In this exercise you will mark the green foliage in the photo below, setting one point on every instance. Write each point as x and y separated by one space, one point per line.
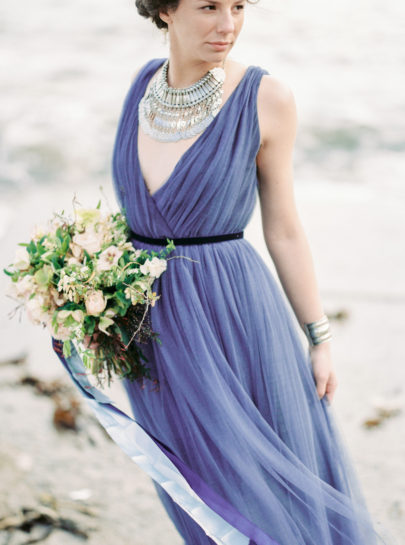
54 320
31 248
57 262
11 273
122 302
65 243
90 324
87 260
67 349
44 275
69 321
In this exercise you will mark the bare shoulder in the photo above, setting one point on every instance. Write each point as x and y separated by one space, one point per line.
276 109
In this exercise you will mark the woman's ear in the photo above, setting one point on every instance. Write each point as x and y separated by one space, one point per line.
165 17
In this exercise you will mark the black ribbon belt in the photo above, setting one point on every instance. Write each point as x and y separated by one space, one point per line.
186 240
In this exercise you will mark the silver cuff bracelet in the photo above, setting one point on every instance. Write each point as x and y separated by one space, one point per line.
318 332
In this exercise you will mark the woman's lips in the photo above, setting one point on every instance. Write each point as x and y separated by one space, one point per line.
219 46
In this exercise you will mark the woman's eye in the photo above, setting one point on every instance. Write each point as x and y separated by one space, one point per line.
239 7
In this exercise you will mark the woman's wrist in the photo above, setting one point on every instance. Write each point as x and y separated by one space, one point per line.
317 332
321 347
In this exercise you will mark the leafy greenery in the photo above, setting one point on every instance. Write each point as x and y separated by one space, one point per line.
84 279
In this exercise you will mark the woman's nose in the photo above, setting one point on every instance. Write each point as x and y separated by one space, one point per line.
225 23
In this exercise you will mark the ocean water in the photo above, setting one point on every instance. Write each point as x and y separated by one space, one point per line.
66 66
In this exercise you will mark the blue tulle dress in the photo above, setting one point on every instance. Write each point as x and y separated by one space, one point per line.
239 446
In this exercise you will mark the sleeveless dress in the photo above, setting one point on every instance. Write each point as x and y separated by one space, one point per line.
239 446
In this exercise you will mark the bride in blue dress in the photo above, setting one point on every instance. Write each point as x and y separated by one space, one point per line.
239 436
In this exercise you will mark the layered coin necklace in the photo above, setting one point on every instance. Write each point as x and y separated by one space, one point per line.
169 114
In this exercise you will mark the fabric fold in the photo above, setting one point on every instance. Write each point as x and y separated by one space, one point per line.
219 520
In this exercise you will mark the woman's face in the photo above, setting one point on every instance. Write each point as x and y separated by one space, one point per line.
196 24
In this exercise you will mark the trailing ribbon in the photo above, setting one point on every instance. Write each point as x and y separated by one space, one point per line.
219 519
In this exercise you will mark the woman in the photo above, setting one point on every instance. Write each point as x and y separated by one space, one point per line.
242 410
194 27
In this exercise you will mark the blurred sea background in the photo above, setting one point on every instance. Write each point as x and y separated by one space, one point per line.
66 67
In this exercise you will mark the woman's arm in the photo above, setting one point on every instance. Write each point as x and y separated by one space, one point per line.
283 232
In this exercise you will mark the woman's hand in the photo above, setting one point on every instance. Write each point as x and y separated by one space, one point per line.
325 376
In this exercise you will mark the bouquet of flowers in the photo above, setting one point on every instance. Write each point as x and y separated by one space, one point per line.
83 279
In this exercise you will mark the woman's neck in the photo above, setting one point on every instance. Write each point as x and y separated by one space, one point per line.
183 73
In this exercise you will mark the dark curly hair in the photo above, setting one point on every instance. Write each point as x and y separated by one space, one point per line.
150 9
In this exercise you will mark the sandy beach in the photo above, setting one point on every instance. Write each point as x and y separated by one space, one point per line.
57 136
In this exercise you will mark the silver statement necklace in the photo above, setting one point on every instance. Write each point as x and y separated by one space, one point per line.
169 114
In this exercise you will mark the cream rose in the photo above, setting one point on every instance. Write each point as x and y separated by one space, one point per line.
35 311
58 298
63 333
95 302
73 261
77 315
154 267
90 240
38 232
21 259
77 251
25 286
130 246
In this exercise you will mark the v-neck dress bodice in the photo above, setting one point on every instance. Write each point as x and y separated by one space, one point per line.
196 143
219 164
238 444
